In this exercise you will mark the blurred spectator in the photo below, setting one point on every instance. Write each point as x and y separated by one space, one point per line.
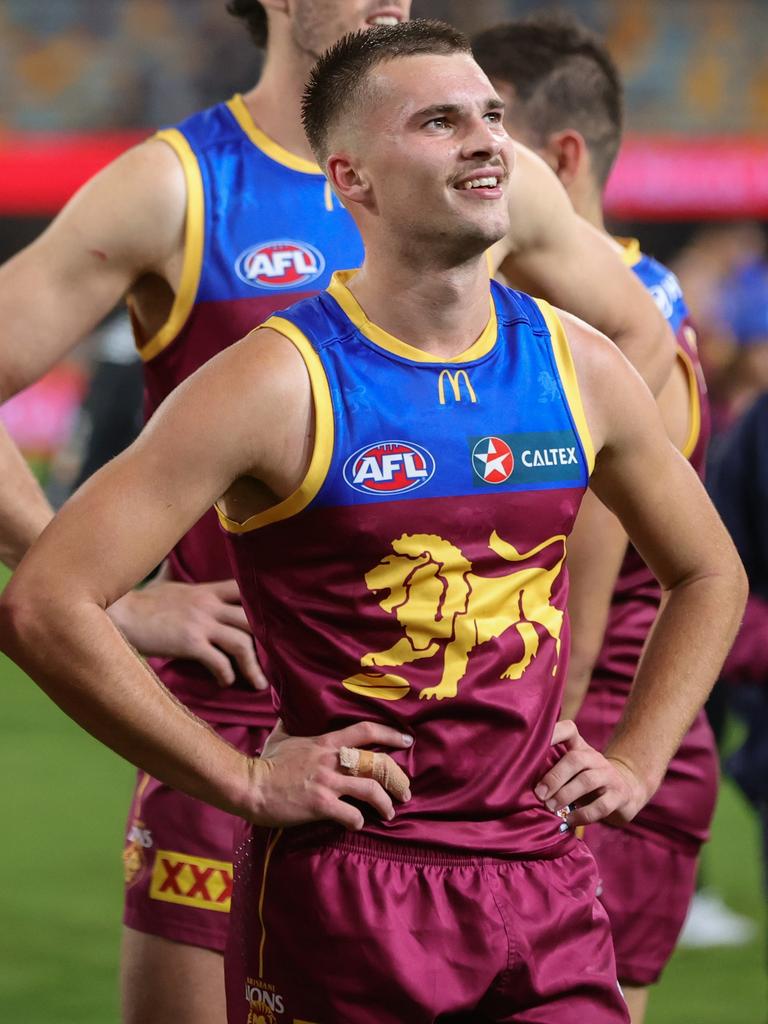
73 64
739 488
718 271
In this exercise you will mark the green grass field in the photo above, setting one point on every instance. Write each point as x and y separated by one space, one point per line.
63 809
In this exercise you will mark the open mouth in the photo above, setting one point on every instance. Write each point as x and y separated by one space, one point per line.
473 183
485 183
387 16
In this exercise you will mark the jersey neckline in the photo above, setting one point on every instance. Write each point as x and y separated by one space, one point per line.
339 291
237 107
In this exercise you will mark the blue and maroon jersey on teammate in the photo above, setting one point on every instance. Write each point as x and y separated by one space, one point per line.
263 231
417 575
683 806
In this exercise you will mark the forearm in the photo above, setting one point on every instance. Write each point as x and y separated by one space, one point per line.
680 664
75 654
24 509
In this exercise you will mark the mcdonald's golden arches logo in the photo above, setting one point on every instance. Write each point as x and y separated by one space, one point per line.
455 380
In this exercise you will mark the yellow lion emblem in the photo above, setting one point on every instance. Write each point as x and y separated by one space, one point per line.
260 1013
442 604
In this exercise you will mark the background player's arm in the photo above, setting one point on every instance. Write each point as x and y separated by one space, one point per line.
596 549
126 223
552 252
248 409
661 503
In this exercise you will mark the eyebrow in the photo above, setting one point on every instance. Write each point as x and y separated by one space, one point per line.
494 103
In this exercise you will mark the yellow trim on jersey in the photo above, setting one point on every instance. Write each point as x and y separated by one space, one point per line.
338 289
695 404
194 237
567 371
268 146
270 848
323 444
630 250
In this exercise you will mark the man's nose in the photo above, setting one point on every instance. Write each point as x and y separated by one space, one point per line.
482 139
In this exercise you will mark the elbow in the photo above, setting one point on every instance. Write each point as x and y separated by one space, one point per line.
24 629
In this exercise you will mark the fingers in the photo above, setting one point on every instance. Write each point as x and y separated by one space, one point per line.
239 645
232 615
366 734
380 767
227 590
218 664
565 731
367 791
567 767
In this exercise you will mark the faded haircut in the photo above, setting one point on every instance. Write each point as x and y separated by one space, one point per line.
254 16
563 77
337 83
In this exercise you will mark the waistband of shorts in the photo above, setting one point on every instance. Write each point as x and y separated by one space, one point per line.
399 850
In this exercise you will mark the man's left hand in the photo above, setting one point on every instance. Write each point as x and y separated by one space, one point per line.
597 787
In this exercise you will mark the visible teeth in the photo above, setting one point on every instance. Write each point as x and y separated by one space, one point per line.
384 19
481 183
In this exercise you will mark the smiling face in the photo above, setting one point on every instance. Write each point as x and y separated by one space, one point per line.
431 151
316 24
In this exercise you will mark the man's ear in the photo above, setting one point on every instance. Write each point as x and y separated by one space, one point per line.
349 183
567 155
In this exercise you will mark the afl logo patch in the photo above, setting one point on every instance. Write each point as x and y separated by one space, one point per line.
280 264
389 467
492 460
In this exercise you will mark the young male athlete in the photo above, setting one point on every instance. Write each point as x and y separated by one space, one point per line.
210 227
564 99
398 481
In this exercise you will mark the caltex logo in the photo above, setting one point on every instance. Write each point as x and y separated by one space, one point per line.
280 264
389 467
492 460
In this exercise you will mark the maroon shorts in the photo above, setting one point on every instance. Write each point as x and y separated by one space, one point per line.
646 887
178 858
365 931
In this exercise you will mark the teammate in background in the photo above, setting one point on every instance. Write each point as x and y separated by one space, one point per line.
414 551
209 228
564 100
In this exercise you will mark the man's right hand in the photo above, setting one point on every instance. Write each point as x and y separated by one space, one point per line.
201 621
299 779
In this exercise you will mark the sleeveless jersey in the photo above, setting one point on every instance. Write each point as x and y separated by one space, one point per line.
682 808
417 575
263 230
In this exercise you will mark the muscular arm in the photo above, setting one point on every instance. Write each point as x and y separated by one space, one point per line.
596 549
128 221
658 498
552 252
246 412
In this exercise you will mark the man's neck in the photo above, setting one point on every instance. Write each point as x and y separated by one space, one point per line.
275 102
441 311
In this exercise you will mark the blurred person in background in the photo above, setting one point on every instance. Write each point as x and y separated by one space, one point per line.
716 269
563 98
738 485
209 228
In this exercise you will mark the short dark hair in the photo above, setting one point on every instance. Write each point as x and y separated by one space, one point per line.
337 80
563 76
254 16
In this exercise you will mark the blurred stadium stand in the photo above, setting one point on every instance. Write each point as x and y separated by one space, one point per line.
80 80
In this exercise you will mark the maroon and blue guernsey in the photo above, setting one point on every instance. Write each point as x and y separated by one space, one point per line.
263 230
417 576
683 806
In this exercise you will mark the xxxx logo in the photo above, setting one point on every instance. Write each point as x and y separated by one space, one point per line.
191 881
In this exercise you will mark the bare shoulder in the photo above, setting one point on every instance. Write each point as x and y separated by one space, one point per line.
131 213
608 382
537 203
